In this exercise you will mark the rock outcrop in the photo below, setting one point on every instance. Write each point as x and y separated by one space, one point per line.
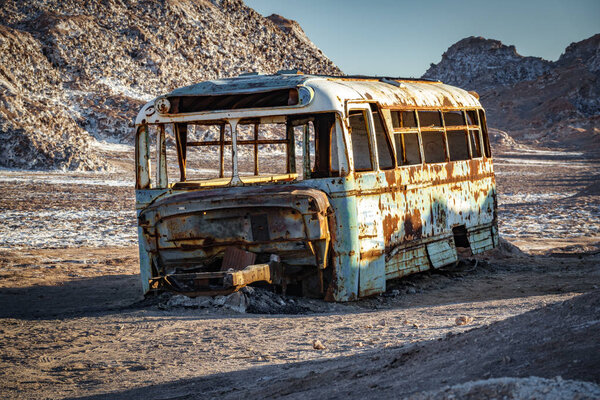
481 63
74 71
534 100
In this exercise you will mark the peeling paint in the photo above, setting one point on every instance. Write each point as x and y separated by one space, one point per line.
336 237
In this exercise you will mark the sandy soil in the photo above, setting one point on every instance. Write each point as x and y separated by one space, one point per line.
73 323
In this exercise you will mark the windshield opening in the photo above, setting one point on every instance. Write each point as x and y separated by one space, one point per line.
279 148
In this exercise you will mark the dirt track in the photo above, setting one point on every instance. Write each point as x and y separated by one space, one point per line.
72 322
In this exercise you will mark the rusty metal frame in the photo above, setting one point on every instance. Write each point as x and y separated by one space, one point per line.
180 134
230 281
419 129
486 149
402 131
142 158
222 151
468 128
368 117
388 133
182 143
456 128
410 207
162 178
306 150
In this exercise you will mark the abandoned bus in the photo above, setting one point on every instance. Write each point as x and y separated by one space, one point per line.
317 185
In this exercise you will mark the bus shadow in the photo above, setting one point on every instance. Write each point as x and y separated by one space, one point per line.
117 294
80 297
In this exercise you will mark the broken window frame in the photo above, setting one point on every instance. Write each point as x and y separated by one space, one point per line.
365 109
401 131
484 133
341 169
474 133
385 134
145 180
255 142
461 128
436 129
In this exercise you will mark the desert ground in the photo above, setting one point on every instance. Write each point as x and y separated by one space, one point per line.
522 321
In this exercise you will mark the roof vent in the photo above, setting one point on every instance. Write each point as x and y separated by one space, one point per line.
392 82
294 71
253 73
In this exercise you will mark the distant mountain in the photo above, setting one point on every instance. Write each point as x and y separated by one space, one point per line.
481 63
72 71
534 100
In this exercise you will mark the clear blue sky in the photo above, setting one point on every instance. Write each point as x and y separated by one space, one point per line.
401 38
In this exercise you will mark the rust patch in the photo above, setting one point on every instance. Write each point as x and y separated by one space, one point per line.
390 177
237 259
370 255
413 227
449 169
447 103
390 226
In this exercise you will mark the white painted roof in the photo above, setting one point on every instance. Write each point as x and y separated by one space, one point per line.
330 94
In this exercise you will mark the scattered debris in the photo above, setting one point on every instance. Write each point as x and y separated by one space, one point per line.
317 345
251 300
463 320
180 300
236 301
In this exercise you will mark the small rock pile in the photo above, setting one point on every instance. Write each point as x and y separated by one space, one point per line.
247 300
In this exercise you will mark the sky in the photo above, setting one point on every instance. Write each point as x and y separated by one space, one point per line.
402 38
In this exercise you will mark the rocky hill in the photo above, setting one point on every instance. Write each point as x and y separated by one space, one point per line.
536 101
73 71
481 63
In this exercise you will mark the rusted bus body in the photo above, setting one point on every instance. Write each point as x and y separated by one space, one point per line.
396 175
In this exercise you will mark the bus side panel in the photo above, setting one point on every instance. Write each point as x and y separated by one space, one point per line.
371 241
462 208
432 200
372 196
405 209
439 211
344 246
483 235
145 264
143 197
345 256
406 262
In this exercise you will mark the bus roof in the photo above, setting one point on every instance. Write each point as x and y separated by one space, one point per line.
331 92
387 91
